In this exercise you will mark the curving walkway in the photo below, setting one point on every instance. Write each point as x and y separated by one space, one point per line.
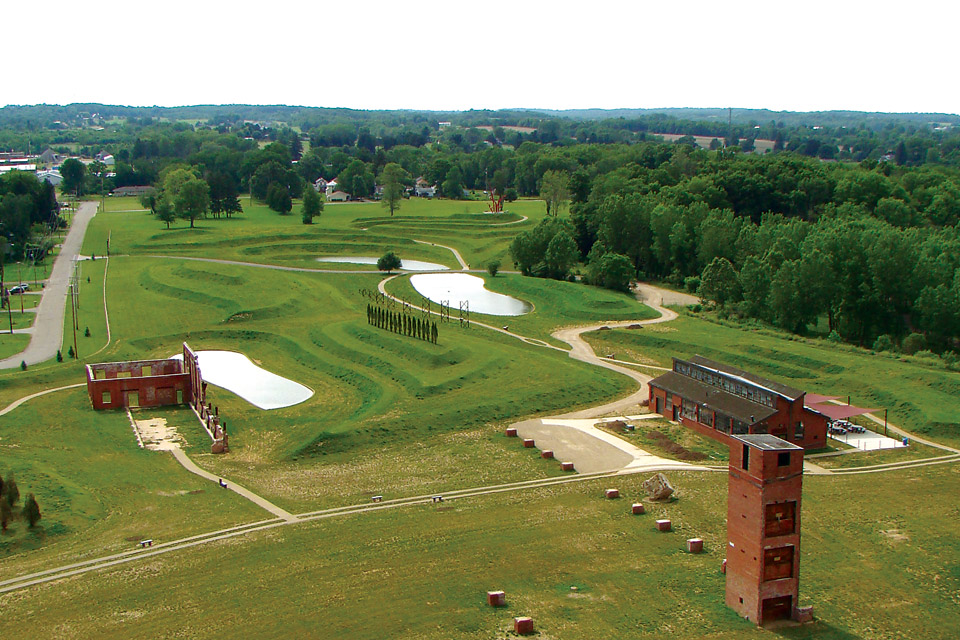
47 334
463 264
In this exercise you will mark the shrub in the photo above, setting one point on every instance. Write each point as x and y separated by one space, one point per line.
86 332
71 353
691 283
883 343
23 365
913 343
493 267
59 356
834 337
926 354
31 510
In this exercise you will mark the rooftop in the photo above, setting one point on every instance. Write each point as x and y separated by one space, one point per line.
713 398
782 389
767 442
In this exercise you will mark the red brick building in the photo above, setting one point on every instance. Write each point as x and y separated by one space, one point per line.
721 401
145 383
763 529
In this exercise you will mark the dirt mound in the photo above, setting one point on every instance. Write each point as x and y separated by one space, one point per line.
671 447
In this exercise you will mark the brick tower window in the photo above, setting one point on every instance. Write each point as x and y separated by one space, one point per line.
779 518
783 459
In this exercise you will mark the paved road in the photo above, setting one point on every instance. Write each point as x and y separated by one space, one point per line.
47 335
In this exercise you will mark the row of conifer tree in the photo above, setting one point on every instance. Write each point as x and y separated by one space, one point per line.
402 323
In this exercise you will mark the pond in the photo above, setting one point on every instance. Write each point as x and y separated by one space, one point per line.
237 373
456 287
406 265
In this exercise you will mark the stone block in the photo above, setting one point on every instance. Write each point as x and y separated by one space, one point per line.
612 493
523 625
496 598
528 443
637 509
694 545
663 525
546 454
511 432
566 466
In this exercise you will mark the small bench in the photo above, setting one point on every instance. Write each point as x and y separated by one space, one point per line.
377 498
146 543
437 498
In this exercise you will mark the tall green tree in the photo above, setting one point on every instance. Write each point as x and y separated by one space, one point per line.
312 205
74 174
719 282
554 191
193 200
278 198
393 179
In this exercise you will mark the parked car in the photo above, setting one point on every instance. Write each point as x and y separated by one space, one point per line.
855 428
20 288
836 430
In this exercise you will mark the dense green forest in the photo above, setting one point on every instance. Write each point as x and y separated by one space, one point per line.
851 222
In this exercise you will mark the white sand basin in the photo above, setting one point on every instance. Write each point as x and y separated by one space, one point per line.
457 287
237 373
405 265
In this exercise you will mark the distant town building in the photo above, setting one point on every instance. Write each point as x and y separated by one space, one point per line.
52 176
338 196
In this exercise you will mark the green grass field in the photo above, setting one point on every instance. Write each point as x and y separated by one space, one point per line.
421 571
399 417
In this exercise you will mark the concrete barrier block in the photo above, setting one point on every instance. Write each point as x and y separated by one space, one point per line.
511 432
546 454
566 466
528 443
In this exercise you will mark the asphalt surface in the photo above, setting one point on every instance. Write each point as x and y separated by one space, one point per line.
47 335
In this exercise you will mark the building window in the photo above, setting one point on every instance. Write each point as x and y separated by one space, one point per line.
798 431
669 402
105 397
745 463
706 416
783 459
689 410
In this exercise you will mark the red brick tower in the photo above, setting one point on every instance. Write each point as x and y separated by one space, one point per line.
763 528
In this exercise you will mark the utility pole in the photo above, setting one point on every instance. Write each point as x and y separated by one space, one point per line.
20 275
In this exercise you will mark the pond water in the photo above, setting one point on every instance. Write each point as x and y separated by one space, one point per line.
237 373
456 287
406 265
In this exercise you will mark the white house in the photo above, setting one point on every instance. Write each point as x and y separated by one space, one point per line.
423 189
337 196
320 186
331 188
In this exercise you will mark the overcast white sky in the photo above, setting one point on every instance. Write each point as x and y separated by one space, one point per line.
448 55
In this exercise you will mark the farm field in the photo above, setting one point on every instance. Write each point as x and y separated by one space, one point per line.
400 417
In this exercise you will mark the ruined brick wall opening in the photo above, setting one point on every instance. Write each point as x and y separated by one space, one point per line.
780 518
777 608
777 563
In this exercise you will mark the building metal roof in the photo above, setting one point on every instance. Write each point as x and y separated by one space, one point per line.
787 392
713 398
766 442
